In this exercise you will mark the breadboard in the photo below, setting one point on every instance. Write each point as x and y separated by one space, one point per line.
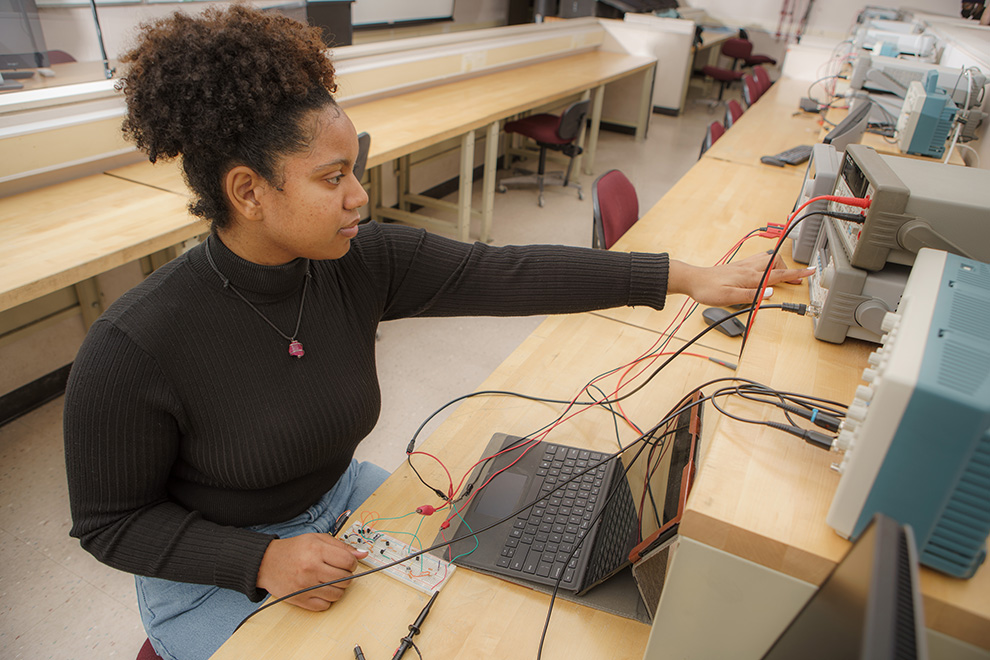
425 572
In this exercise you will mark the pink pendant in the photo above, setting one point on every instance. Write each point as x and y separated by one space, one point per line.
296 349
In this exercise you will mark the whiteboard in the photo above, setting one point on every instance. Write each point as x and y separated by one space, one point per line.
374 12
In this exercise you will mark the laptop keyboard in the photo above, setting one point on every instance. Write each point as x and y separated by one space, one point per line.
544 536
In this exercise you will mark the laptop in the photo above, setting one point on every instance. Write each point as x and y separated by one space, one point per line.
581 527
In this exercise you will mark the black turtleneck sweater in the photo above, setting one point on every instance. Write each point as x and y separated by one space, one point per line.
186 418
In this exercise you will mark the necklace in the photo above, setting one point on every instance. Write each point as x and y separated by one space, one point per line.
295 346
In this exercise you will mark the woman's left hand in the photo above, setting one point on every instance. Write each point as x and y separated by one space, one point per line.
730 284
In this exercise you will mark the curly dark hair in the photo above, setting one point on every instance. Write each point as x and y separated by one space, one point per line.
230 87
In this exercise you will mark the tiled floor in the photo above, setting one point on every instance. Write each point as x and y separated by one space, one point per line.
56 601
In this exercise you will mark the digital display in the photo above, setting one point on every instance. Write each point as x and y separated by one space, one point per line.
854 177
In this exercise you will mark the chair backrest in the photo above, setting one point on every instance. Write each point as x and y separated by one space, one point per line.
572 118
714 132
147 652
733 111
59 57
738 49
616 208
762 78
364 145
751 90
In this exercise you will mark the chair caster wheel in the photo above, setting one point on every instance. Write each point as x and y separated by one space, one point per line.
502 189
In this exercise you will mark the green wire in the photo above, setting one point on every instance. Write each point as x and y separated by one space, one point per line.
414 535
476 544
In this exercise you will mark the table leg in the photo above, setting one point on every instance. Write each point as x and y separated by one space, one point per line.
466 183
645 104
88 293
579 159
402 182
488 194
596 120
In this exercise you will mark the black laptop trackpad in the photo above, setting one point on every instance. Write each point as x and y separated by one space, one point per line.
504 495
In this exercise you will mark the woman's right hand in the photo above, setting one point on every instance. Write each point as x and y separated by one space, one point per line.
301 561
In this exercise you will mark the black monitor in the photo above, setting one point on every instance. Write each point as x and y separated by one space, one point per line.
850 130
22 43
868 608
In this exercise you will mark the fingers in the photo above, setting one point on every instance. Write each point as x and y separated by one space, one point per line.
789 275
296 563
338 561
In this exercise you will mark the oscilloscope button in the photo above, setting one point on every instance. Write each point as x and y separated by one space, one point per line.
889 321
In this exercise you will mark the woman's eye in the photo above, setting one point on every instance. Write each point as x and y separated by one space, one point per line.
336 179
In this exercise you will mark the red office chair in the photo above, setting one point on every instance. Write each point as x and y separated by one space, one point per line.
59 57
737 49
616 208
752 59
551 132
714 132
762 79
751 90
147 652
733 111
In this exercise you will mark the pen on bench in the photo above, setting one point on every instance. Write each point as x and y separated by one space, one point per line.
407 641
358 653
337 525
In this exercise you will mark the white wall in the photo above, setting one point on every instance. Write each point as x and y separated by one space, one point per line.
829 18
72 29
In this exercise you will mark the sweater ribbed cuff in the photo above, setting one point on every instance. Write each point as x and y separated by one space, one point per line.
239 561
648 279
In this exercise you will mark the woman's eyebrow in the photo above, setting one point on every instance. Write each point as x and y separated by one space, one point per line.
337 162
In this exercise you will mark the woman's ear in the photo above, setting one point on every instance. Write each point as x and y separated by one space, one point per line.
241 185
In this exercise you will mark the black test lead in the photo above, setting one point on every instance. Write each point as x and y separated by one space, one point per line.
407 641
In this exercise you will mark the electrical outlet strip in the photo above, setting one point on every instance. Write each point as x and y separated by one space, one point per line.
426 572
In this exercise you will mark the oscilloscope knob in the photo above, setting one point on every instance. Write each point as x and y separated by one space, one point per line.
845 440
871 313
857 410
864 393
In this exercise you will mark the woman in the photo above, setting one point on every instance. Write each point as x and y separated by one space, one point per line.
212 412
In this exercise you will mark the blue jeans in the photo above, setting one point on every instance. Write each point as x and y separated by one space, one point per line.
191 621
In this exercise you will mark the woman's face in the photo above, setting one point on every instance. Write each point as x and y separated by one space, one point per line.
314 213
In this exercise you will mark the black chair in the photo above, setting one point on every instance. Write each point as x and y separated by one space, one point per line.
550 132
364 144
